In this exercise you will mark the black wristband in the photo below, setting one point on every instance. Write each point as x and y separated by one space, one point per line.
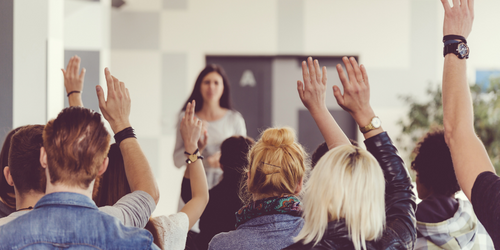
72 92
124 134
454 37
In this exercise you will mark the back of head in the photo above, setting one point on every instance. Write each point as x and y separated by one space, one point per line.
433 164
277 163
24 160
76 143
347 183
114 183
234 151
6 190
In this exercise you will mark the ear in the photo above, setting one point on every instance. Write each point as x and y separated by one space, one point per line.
299 186
104 166
43 158
8 176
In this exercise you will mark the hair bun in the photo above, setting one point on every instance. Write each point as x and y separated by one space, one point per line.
278 137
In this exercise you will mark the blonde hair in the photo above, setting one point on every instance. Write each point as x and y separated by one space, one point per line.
277 163
347 183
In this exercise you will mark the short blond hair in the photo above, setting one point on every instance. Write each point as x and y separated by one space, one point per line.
277 163
347 183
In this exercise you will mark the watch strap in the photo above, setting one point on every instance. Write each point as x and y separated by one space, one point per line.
454 37
452 47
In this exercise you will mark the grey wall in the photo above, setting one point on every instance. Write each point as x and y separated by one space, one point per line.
90 61
6 66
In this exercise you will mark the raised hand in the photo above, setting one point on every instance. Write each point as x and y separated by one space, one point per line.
356 97
312 90
73 81
458 20
190 128
116 109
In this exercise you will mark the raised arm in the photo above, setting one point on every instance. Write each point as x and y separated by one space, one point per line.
312 93
356 97
467 151
73 81
190 130
116 110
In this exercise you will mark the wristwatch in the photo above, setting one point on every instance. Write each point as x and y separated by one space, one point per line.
458 48
192 157
374 124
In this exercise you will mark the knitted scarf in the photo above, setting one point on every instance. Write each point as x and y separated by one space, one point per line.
285 204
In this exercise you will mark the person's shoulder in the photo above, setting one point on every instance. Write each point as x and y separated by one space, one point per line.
234 114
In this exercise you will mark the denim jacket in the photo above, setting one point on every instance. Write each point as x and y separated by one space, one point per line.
274 231
70 220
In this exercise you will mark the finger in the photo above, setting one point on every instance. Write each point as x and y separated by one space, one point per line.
116 85
109 80
64 72
187 114
342 76
325 77
470 4
357 71
76 66
305 75
456 4
312 72
338 95
127 93
100 97
82 74
122 89
365 75
317 70
300 89
69 66
446 5
349 69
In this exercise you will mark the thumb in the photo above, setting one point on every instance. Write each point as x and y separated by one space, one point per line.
338 95
300 89
100 97
64 72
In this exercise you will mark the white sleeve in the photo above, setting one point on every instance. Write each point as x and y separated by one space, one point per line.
173 230
133 209
241 128
179 157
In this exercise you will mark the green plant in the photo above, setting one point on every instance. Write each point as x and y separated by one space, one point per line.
424 115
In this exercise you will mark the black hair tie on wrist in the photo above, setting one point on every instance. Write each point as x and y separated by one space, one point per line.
124 134
74 91
454 37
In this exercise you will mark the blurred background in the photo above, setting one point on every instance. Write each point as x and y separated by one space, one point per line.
158 47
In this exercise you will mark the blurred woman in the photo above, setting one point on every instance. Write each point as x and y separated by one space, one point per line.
213 106
277 166
355 198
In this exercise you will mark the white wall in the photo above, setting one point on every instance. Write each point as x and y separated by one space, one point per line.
399 41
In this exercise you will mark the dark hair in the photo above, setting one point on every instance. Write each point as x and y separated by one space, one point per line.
6 190
76 143
24 160
113 184
225 99
433 164
322 149
234 152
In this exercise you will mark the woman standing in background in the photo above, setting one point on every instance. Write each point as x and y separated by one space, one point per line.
213 106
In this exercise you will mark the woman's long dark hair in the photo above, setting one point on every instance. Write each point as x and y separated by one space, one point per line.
6 190
225 99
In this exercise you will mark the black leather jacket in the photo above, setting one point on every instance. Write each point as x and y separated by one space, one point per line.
400 231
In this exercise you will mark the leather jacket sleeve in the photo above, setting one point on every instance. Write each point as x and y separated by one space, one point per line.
400 232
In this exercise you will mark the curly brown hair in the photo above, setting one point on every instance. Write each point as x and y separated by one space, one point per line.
433 163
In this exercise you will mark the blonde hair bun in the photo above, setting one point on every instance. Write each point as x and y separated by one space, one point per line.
278 137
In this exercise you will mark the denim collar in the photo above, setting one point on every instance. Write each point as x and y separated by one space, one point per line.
66 198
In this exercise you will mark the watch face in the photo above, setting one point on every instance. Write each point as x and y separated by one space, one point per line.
376 123
463 50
